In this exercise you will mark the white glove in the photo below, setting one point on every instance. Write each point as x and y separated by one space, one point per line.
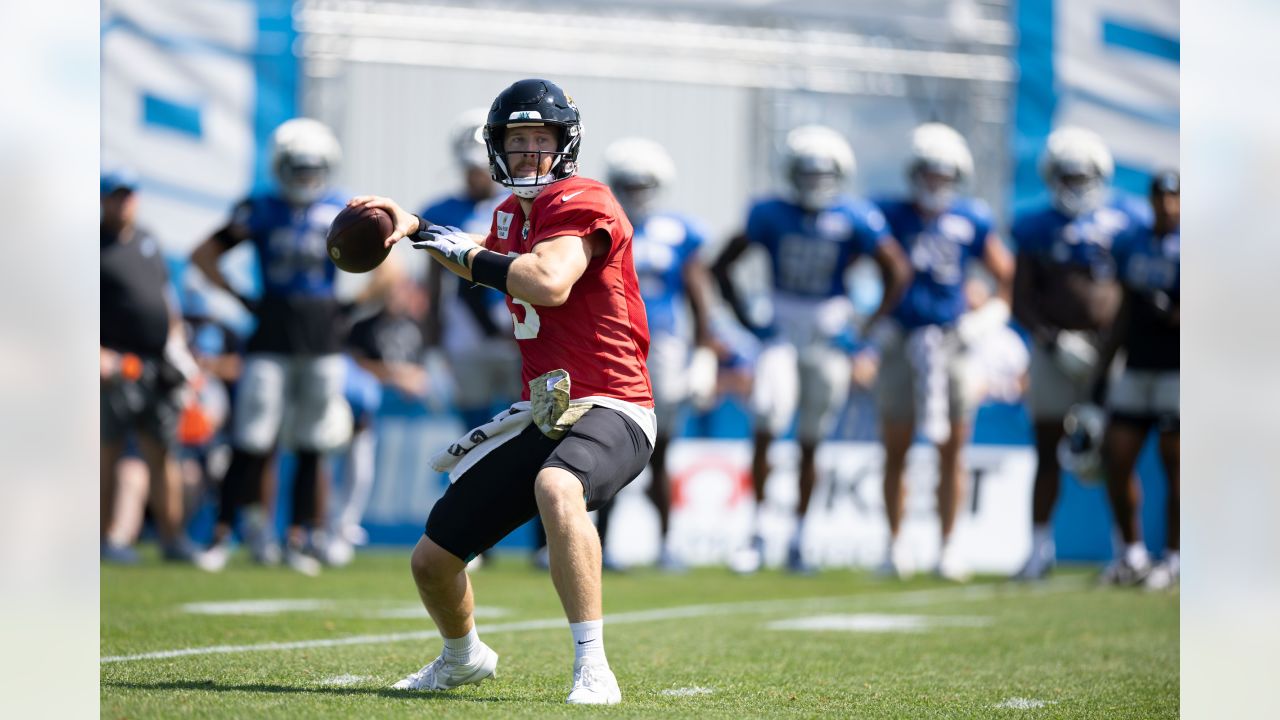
703 367
982 321
1075 355
449 241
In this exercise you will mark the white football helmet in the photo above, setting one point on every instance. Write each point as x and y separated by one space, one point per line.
1077 167
638 169
1080 450
304 153
818 162
937 149
467 139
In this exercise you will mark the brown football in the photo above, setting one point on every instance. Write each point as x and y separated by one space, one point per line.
356 237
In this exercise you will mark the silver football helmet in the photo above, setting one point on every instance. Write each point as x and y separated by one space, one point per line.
638 170
304 154
937 151
818 163
1077 168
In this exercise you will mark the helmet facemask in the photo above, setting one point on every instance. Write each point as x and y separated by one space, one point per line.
1077 191
816 181
933 187
303 179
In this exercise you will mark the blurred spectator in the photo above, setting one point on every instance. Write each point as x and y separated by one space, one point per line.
1065 296
470 322
291 386
144 365
811 235
671 273
1145 395
386 350
925 381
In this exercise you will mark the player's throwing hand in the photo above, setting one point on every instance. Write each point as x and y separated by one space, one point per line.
406 223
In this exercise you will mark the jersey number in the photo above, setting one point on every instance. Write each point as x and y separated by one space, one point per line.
526 329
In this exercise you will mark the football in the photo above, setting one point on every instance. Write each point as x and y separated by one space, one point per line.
356 235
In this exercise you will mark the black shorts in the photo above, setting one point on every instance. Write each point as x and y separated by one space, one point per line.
604 449
147 406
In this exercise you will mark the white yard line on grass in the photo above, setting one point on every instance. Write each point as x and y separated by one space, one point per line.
912 598
1018 703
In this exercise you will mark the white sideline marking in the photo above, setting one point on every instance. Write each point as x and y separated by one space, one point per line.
909 597
340 680
1018 703
688 692
877 622
255 607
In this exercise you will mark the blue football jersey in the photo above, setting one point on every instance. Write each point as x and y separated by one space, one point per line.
1084 241
810 251
290 242
1146 262
939 250
663 244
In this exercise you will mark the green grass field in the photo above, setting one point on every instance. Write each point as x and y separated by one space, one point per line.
696 645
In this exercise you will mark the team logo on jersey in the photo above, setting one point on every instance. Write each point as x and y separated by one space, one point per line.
504 224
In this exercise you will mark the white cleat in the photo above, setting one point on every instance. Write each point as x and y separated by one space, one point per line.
594 684
299 561
952 567
1162 577
1123 573
214 559
1038 565
443 674
898 563
749 559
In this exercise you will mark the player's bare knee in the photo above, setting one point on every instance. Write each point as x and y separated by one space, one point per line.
558 492
432 564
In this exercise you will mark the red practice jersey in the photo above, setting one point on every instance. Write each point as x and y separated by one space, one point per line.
600 335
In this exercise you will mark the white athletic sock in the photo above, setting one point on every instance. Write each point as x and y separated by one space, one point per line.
588 640
459 649
1136 555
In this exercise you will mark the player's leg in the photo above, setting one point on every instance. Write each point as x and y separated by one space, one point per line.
166 495
601 454
895 400
1121 446
659 493
951 487
1165 405
320 422
963 396
256 421
825 375
1049 397
775 392
491 499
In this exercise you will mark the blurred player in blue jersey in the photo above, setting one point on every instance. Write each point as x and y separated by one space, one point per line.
812 235
925 380
1066 296
671 273
470 322
290 391
1145 395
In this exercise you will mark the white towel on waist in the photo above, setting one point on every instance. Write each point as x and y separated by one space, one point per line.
478 442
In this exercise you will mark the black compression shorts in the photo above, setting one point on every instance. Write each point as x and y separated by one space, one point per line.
605 450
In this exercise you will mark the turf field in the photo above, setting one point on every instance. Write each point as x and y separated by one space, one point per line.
178 642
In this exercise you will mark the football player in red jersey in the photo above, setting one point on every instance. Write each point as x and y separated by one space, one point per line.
560 248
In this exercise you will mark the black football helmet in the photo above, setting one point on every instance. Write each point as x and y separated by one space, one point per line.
533 102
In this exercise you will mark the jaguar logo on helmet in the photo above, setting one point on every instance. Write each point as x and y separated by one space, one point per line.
542 102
